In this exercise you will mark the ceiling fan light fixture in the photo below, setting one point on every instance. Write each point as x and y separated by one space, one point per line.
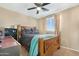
38 8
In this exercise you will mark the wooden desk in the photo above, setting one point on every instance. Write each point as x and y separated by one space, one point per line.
9 47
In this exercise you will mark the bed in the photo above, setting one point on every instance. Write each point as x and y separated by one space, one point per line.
45 43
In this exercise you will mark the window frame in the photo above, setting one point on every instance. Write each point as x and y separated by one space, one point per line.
56 25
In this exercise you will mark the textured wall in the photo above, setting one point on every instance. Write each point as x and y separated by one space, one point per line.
8 18
41 25
69 26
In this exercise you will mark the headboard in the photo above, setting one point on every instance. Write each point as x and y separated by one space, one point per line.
27 29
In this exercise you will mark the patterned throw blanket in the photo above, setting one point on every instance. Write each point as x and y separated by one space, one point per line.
34 46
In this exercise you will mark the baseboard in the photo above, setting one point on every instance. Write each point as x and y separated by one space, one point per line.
69 48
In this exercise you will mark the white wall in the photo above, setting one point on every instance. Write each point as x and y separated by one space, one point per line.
70 28
8 18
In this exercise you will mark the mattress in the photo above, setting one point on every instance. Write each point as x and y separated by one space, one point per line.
47 36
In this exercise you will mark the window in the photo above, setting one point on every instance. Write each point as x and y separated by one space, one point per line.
50 24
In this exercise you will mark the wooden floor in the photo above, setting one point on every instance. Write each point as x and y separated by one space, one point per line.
61 52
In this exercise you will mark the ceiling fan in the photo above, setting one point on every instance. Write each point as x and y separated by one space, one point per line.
39 6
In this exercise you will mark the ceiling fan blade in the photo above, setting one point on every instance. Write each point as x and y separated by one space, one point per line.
37 12
45 9
32 8
38 4
45 4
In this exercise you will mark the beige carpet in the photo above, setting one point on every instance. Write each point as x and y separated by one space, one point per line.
65 52
61 52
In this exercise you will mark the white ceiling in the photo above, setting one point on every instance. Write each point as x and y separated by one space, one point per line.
22 8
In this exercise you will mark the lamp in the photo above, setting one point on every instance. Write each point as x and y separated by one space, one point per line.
38 8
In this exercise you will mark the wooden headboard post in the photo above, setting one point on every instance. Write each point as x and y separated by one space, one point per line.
18 32
41 47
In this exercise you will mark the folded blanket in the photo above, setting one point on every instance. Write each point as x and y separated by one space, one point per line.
34 46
